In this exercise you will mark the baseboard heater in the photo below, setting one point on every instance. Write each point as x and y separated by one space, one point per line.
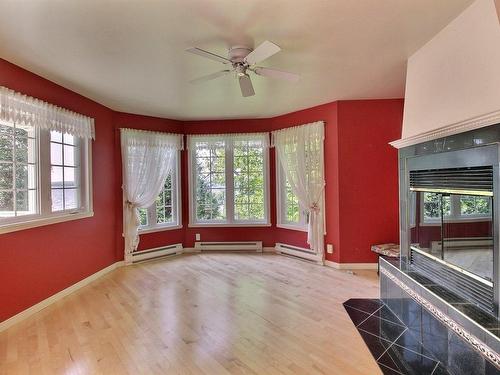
157 252
296 251
229 246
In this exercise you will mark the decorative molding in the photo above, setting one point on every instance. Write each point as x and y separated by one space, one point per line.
58 296
472 340
445 131
351 266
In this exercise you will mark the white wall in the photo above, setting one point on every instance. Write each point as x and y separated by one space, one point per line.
456 75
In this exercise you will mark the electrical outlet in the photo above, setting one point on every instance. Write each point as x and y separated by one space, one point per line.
198 237
329 248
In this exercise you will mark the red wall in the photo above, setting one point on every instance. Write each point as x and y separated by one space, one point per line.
368 176
39 262
361 197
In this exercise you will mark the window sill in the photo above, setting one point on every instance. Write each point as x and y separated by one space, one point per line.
292 227
454 221
228 225
158 229
38 222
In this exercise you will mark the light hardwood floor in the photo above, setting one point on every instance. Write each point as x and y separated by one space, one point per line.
211 314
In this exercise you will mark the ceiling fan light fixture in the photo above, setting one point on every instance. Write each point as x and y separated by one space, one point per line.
243 60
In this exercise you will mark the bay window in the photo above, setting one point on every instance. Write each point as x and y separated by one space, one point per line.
229 179
44 172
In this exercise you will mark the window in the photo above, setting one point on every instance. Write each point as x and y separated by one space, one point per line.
229 179
165 212
43 176
45 154
290 214
455 207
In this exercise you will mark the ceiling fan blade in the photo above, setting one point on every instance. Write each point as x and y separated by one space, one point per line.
273 73
208 55
246 86
262 52
210 76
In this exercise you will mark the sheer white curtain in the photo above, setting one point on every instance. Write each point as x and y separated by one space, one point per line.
25 110
300 153
147 159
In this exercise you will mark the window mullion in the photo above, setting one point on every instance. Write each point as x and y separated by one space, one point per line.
229 162
44 172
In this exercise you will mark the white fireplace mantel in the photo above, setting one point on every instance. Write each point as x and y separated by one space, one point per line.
453 81
458 127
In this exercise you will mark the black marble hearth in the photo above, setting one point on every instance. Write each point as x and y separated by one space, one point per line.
424 346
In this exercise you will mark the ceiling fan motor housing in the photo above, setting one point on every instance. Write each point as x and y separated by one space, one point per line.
238 53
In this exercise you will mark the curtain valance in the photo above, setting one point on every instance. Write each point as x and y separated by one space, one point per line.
262 138
136 137
26 110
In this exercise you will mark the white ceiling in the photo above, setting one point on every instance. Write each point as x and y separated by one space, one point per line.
129 55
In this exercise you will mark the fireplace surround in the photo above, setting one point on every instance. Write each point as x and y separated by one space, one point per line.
449 234
449 207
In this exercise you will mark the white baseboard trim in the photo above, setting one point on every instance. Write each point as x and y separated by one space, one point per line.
58 296
351 266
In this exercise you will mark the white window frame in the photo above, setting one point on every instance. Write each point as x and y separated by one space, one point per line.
281 204
229 196
455 214
44 215
152 225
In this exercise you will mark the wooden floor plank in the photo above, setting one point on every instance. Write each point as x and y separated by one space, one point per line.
206 314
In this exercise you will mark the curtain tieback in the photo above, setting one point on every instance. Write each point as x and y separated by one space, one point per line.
129 204
314 208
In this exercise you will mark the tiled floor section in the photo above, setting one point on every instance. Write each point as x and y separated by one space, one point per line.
389 340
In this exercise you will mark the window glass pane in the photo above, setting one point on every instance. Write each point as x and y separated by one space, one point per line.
70 177
432 205
17 170
6 147
6 203
21 149
65 171
70 199
69 139
22 205
474 205
57 200
143 216
56 177
70 155
6 175
56 153
55 136
21 176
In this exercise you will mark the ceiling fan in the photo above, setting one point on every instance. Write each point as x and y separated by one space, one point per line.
243 60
